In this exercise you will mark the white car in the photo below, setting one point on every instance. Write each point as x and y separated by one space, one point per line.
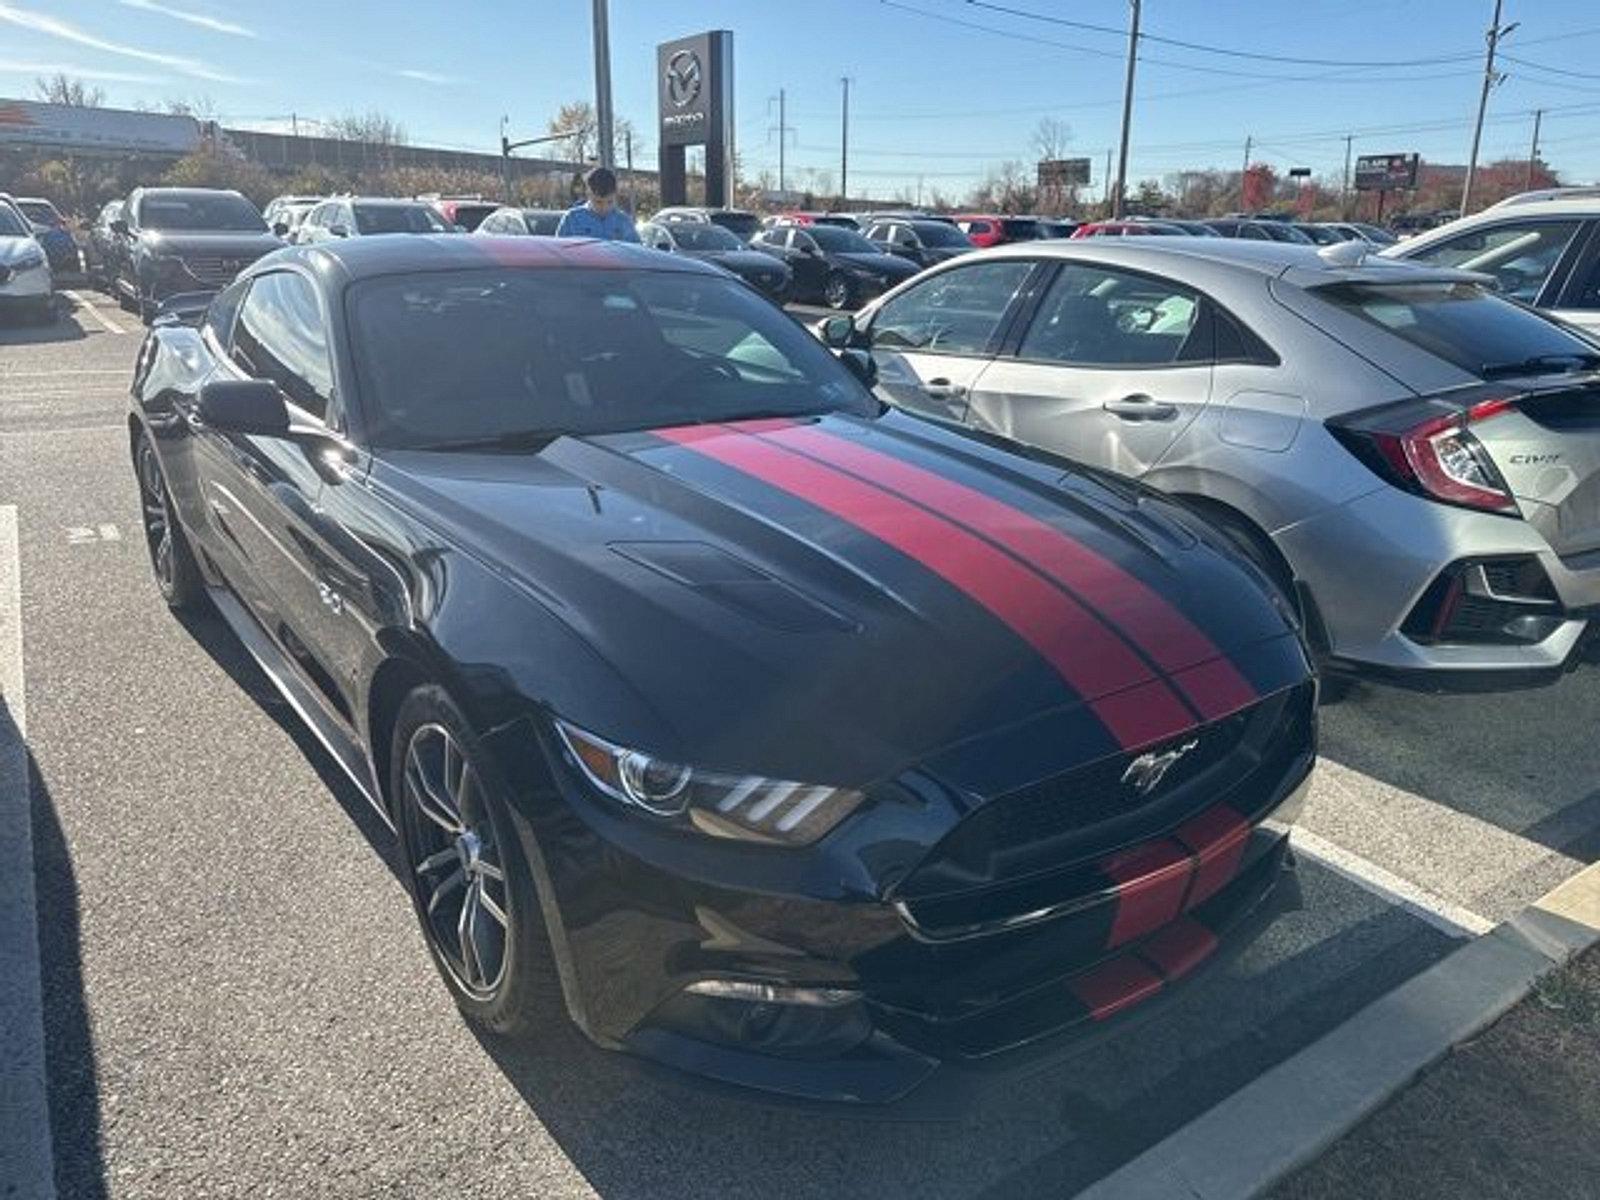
1542 248
26 285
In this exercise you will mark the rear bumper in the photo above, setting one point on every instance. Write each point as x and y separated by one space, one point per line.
889 1000
1369 564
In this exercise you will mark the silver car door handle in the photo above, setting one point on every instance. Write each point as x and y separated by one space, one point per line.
1141 408
943 389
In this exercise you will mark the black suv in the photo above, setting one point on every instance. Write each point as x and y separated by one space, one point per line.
836 266
921 240
176 240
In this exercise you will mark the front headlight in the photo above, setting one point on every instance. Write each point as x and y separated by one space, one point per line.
748 807
30 260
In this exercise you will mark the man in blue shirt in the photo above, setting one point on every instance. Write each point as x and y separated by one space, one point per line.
599 216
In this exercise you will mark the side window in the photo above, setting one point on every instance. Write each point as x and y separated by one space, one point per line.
223 308
878 233
955 312
1097 317
1585 291
280 335
803 242
1520 255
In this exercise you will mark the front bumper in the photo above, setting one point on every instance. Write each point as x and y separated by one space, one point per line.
1404 544
920 979
27 288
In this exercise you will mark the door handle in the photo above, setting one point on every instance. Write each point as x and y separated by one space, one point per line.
1139 407
943 389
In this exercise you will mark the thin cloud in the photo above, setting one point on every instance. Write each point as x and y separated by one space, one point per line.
54 27
11 66
215 24
432 77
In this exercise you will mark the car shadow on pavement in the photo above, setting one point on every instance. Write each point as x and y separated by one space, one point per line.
62 329
72 1082
213 636
1526 761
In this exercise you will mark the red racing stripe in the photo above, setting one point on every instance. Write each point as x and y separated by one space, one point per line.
1115 985
1179 948
1217 839
1093 662
1152 881
1163 633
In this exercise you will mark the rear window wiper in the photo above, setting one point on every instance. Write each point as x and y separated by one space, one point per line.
1541 364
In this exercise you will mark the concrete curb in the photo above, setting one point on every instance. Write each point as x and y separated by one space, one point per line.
1289 1115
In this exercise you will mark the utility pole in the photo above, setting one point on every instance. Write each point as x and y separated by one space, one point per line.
1108 180
1533 152
505 159
1489 80
627 142
602 81
844 140
1344 193
783 134
1244 173
1119 196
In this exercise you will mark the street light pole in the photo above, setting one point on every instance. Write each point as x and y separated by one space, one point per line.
1493 37
602 81
844 141
1119 196
1344 193
1533 152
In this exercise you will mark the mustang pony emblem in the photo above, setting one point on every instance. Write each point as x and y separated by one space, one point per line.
1145 773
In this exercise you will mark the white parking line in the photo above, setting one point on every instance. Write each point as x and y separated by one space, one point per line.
106 322
25 1148
63 372
1442 914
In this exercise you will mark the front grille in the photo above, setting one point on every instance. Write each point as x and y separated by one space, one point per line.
216 270
1038 847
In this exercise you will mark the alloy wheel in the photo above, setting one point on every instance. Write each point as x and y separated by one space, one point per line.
157 519
457 869
837 292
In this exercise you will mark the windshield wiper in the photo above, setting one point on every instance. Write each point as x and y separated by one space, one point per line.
1542 364
521 439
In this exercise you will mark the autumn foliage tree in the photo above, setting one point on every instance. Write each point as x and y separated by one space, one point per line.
1256 189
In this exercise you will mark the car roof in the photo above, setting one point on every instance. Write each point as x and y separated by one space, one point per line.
1304 265
351 259
386 201
1557 195
188 191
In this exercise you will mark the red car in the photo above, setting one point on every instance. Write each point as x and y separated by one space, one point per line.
465 211
994 229
843 220
1121 229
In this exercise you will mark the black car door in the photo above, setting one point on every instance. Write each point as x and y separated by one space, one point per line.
809 264
262 493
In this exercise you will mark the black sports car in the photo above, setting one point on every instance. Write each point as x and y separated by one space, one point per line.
714 244
805 743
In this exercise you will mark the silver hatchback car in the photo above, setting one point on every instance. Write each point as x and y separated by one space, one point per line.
1412 457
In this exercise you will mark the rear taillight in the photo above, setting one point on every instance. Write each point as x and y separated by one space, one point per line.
1417 448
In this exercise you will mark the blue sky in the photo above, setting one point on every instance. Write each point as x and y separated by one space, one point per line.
942 89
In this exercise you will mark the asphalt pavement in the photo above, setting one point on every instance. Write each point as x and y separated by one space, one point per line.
236 1001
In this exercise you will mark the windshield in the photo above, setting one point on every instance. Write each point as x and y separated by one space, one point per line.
836 240
399 218
1462 323
202 211
704 237
743 224
937 233
10 224
463 356
1022 231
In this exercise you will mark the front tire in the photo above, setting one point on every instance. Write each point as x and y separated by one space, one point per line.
171 557
470 884
837 293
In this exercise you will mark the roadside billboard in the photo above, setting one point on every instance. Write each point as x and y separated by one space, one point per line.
1386 172
73 129
1063 172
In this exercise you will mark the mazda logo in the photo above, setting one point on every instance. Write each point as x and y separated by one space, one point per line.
1145 773
683 78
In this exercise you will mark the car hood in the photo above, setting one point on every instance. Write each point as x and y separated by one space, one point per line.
836 599
880 264
740 262
230 243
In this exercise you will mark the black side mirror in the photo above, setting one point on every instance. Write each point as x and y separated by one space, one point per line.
860 363
339 230
119 225
281 229
253 406
837 332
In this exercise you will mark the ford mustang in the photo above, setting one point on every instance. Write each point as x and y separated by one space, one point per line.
789 739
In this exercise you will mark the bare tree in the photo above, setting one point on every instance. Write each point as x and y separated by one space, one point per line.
201 108
374 126
1052 138
581 127
60 88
